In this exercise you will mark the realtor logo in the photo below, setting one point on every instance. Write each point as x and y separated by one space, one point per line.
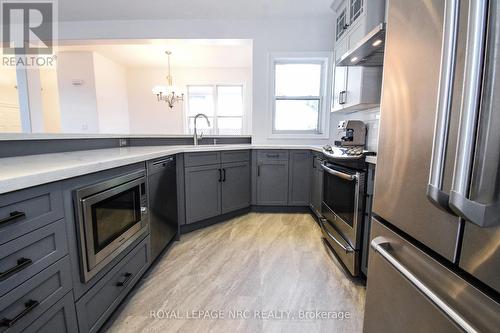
29 31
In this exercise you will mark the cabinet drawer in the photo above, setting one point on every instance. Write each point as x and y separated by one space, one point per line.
235 156
26 210
27 255
60 318
204 158
24 304
95 306
272 155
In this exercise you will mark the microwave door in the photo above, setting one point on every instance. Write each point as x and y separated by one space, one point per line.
481 206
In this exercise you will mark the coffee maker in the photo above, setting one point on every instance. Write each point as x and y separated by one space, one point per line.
350 133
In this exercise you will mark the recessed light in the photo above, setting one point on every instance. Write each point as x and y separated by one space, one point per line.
377 42
354 59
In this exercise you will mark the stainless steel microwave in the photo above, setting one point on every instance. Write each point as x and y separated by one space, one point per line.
111 215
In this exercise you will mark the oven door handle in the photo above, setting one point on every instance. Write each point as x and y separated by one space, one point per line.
339 174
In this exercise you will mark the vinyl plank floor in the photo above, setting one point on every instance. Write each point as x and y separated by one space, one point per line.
255 273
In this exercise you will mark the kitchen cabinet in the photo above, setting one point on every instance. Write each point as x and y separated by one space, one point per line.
356 88
203 192
299 178
316 196
218 188
235 186
271 178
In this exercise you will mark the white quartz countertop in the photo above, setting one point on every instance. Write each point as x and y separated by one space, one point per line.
26 171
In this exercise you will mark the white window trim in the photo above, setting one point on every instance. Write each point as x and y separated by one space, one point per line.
214 85
325 58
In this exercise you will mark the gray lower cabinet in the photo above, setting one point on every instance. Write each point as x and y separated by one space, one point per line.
316 185
203 192
99 302
299 178
235 186
25 256
60 318
272 182
24 304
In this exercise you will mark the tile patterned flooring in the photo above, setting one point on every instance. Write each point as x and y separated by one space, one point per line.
273 268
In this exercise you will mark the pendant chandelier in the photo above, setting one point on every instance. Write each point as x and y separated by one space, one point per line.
169 93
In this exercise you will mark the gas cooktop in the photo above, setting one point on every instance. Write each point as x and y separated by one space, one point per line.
346 153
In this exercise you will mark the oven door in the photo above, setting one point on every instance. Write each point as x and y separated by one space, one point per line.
343 198
112 220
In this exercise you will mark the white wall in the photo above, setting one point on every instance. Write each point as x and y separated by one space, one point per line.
10 119
111 96
78 104
50 101
277 35
148 116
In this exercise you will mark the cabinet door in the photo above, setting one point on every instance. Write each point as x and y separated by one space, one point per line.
272 182
356 8
299 178
341 21
203 192
235 186
363 88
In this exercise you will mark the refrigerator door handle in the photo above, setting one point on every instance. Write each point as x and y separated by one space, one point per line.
382 246
483 215
435 191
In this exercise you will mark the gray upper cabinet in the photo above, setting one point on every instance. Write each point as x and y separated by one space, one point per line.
203 192
272 179
235 186
299 177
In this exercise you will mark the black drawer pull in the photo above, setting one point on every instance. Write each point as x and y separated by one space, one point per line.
21 264
12 216
224 175
127 276
220 175
29 306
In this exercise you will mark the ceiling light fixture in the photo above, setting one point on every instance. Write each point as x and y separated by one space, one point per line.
377 42
168 93
354 59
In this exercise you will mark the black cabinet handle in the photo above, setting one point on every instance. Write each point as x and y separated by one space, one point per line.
258 170
224 175
21 264
29 306
220 175
127 276
346 26
314 164
13 216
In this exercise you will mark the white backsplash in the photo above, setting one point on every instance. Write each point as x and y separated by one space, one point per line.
369 117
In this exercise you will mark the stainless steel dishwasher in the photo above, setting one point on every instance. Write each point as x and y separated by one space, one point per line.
162 193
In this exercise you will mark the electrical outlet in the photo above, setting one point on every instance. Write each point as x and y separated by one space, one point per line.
122 142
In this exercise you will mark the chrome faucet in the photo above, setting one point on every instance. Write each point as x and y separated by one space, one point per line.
195 134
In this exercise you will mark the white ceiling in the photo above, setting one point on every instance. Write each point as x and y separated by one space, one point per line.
185 53
89 10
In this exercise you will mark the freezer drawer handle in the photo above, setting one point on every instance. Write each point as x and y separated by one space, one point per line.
435 191
483 215
338 173
381 246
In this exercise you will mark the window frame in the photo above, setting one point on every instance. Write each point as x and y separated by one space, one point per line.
215 116
322 58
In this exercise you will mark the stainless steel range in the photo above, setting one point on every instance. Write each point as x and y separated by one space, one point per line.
344 196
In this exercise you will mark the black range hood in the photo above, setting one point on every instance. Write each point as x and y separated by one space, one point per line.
368 52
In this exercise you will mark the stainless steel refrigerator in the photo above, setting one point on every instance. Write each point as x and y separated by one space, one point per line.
434 262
